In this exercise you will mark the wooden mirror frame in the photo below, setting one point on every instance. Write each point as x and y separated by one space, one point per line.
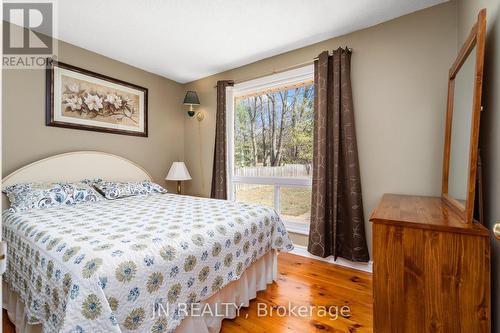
477 37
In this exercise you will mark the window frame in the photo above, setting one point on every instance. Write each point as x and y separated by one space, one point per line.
288 78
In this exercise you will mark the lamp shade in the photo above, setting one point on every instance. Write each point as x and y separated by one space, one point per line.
191 98
178 171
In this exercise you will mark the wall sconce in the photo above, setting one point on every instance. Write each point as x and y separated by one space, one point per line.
191 99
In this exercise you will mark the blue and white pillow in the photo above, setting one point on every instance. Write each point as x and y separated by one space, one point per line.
115 190
28 196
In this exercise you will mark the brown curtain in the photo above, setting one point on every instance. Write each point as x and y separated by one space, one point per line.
219 181
337 222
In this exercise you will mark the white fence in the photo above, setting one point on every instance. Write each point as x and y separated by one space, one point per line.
288 170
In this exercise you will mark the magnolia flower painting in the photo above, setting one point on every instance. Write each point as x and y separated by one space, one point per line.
81 99
85 100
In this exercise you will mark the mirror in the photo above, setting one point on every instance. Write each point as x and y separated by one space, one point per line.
462 122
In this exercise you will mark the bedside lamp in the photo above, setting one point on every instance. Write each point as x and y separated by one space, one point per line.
191 99
179 172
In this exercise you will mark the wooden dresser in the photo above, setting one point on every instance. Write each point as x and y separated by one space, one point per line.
431 271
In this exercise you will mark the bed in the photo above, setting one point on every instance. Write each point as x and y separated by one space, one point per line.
149 263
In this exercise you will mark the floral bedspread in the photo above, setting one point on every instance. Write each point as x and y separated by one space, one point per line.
106 266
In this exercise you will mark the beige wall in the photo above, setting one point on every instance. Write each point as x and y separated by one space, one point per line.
399 74
490 127
26 138
399 77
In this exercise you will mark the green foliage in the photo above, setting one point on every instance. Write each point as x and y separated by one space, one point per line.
279 123
242 147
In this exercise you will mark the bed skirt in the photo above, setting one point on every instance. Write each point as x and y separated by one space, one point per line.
255 278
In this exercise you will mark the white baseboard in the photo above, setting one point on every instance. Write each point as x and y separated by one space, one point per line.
302 251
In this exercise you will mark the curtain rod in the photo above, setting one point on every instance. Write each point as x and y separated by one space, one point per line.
281 70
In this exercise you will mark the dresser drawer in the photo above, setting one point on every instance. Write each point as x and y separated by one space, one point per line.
428 279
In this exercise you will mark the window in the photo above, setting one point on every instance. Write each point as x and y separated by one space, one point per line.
270 132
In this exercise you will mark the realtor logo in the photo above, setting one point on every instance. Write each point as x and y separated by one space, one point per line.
37 37
28 31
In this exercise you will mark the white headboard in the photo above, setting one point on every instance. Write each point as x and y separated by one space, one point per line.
76 166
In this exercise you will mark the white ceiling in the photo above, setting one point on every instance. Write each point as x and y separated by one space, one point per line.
185 40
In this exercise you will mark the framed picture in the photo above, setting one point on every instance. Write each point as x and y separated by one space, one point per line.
80 99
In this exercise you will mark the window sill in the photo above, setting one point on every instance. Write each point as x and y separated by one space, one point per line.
297 228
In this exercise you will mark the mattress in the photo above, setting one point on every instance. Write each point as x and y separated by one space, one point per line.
111 266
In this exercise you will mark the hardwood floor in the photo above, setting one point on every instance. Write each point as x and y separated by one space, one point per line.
304 281
309 282
7 326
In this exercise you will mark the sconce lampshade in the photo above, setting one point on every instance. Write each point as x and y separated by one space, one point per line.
191 98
